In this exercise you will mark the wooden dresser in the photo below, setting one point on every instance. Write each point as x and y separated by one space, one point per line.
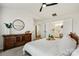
15 40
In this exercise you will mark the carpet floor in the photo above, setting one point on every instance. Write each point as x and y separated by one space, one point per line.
13 52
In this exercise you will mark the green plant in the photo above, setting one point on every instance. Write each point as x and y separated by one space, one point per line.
51 36
8 25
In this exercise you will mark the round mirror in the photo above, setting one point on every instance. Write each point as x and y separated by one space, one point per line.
18 24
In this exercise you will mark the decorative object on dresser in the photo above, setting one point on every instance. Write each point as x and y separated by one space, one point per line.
15 40
27 32
9 26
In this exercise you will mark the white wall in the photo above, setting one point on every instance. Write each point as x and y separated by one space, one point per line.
9 15
76 24
1 41
67 27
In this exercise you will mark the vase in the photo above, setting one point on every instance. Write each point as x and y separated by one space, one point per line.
10 31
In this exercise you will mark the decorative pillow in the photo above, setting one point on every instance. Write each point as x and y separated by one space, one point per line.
74 36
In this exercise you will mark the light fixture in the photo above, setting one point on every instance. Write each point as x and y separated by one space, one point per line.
44 4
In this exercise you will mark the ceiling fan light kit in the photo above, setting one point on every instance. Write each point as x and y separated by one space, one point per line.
44 5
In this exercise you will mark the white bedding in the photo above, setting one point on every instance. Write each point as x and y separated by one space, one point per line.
76 52
45 47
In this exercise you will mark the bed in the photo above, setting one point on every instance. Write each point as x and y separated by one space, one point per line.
43 47
76 52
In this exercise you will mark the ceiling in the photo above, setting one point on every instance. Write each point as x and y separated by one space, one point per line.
33 9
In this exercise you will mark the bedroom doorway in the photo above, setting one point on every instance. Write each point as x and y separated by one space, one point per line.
40 31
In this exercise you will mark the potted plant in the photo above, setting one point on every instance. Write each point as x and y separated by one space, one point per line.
51 37
9 26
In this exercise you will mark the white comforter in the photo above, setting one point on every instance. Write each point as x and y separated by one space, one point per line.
76 52
45 47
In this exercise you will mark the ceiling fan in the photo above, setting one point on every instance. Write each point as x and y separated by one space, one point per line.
46 5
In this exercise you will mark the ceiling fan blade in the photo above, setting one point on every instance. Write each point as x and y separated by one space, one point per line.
44 4
51 4
41 8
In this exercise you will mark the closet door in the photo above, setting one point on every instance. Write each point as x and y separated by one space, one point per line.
48 29
40 31
67 26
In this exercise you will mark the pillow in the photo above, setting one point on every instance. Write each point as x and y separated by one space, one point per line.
67 45
74 36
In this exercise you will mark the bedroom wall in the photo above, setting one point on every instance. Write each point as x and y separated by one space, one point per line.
9 15
1 41
76 24
67 27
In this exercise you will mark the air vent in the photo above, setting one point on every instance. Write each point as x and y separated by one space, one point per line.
54 14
